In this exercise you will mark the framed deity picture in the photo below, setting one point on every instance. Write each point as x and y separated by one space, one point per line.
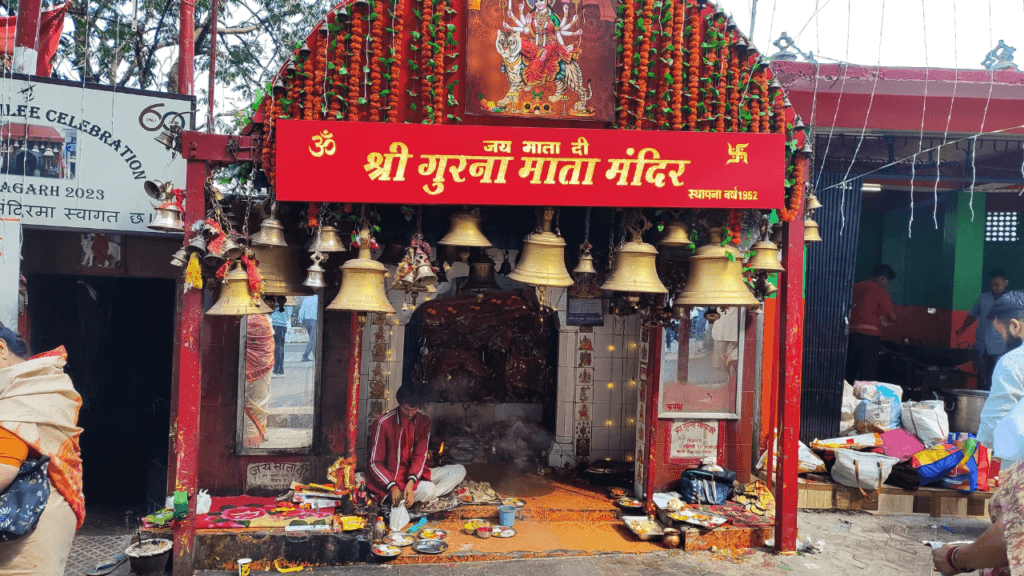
102 253
545 59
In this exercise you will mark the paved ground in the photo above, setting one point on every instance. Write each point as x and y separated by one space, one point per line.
853 544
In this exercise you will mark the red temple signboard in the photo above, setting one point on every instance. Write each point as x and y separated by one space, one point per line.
321 161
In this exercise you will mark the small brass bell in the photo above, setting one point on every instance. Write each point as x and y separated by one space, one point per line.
769 288
634 269
481 275
811 231
776 237
271 233
679 310
235 297
166 138
180 258
465 231
506 266
812 203
676 233
315 273
168 219
327 240
715 279
765 258
281 270
543 260
362 284
424 272
231 250
586 263
213 260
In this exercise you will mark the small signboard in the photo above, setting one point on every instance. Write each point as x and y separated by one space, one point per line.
275 476
693 440
585 312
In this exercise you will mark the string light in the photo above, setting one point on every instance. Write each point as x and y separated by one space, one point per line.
924 108
984 115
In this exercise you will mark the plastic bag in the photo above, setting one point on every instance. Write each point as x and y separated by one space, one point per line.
927 420
900 444
399 517
879 407
933 463
203 502
809 461
846 418
864 470
858 442
964 477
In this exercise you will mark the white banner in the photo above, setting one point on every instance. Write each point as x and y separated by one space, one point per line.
77 157
10 270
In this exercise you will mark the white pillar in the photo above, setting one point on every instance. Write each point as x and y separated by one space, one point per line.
10 270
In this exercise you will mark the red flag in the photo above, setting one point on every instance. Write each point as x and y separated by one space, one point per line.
51 24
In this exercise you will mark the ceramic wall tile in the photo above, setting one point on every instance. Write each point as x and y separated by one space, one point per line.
600 438
601 392
602 454
584 394
584 376
567 346
603 370
615 440
601 415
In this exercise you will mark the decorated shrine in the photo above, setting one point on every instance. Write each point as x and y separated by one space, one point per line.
576 228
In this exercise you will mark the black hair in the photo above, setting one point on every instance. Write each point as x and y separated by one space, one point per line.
885 271
997 273
409 395
1005 311
14 342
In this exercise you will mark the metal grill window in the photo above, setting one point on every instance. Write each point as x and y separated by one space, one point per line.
1001 227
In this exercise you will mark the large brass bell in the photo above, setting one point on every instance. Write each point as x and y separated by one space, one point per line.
811 233
765 258
168 219
271 233
586 263
542 262
634 269
465 231
327 239
715 279
235 298
676 233
362 283
281 270
812 203
481 275
315 273
392 254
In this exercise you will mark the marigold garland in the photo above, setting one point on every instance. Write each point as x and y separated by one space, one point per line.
645 60
723 66
396 71
294 82
779 114
319 72
334 95
306 69
426 57
377 37
270 103
734 87
735 226
765 103
658 93
678 24
627 61
710 64
355 69
694 71
440 31
755 102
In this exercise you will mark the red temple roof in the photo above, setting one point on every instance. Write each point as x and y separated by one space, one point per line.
35 132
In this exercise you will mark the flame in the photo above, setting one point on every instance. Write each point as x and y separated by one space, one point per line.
441 451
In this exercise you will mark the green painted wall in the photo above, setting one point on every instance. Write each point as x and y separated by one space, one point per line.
964 245
869 245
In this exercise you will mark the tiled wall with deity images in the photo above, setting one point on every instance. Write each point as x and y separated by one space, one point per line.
598 389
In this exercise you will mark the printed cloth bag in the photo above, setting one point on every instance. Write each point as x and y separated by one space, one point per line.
964 477
935 462
23 502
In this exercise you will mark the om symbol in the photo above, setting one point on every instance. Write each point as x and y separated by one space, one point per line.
324 144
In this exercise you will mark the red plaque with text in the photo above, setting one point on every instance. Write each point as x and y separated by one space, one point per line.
323 161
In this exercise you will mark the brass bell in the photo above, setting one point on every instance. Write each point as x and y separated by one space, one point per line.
676 233
765 258
213 260
168 219
315 273
634 269
362 284
281 270
327 239
166 138
586 263
506 266
392 255
776 237
481 275
465 231
715 279
423 271
271 233
230 249
543 260
769 289
180 258
812 203
235 298
811 231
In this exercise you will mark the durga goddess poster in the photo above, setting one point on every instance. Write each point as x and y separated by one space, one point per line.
551 59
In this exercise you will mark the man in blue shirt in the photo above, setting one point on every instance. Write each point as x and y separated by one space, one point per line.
1008 377
987 341
307 315
280 318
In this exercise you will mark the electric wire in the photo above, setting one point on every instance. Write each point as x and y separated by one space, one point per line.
945 134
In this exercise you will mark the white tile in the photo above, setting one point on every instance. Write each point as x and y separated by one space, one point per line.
628 440
602 454
600 416
615 441
559 439
564 420
615 393
565 329
603 370
567 349
599 438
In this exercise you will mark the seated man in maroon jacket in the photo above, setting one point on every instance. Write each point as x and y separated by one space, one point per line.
398 455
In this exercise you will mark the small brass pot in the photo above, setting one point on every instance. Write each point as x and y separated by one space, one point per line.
671 538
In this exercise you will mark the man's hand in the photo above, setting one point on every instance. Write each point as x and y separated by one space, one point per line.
410 491
960 331
396 495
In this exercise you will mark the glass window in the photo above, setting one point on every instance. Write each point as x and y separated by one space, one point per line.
279 359
700 376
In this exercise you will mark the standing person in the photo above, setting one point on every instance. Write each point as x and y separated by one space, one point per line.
307 315
280 318
872 308
38 417
1007 390
986 341
259 360
398 455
